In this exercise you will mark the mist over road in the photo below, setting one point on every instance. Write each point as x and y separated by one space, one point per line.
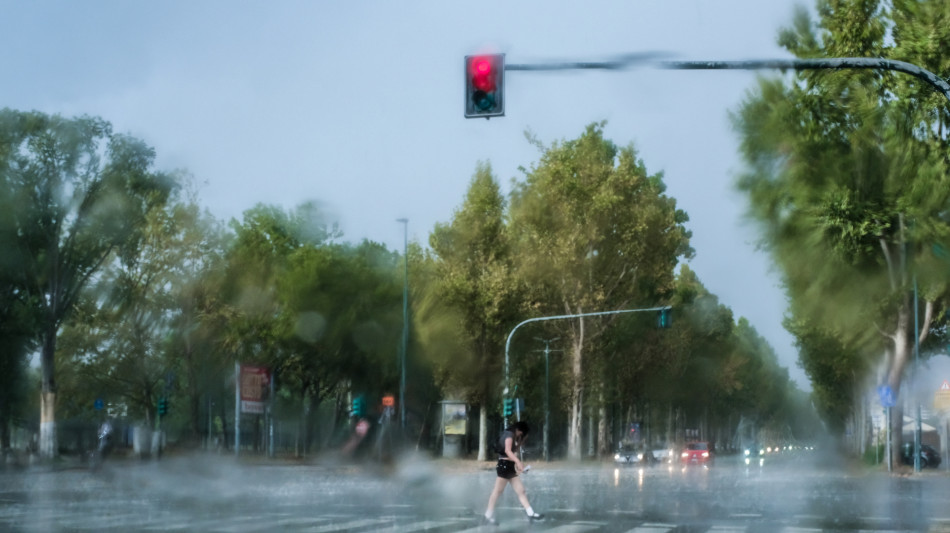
219 493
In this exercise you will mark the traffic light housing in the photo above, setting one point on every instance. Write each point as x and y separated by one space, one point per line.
162 406
665 320
485 86
507 406
357 409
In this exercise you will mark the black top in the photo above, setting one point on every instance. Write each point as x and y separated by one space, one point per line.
501 444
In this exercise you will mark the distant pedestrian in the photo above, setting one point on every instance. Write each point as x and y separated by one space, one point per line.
509 466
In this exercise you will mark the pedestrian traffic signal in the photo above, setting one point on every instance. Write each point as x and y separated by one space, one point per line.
507 406
485 86
162 406
665 319
357 410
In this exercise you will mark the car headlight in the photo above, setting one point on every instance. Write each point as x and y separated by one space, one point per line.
616 457
705 454
747 452
685 454
639 457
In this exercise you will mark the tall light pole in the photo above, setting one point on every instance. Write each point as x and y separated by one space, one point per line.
405 325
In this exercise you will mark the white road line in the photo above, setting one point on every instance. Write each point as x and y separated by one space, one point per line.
347 525
652 528
425 525
577 527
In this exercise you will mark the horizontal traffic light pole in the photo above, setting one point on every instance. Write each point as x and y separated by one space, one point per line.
560 317
833 63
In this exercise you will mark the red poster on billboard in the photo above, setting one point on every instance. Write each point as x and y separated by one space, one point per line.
254 383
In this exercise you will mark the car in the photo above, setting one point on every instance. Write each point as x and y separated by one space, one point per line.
697 453
663 453
628 454
929 456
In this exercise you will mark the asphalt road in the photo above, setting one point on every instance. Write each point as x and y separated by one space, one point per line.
220 494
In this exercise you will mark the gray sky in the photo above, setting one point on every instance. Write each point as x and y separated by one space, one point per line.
358 105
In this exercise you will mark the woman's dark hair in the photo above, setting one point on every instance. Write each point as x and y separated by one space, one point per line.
521 426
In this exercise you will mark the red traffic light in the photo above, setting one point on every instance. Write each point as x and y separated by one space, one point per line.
482 74
484 85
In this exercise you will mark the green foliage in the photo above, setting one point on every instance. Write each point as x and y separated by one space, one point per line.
78 195
163 306
847 179
477 287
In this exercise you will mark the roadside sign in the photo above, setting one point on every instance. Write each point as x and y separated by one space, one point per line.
254 382
98 403
942 397
886 396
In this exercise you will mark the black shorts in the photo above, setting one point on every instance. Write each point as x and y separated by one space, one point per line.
506 469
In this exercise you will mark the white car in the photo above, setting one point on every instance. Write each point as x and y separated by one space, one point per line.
663 454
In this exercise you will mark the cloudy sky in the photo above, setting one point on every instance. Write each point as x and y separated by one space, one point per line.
358 105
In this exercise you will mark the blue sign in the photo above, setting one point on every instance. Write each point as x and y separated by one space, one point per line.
98 404
887 396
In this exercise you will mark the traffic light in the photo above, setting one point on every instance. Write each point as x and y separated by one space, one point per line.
507 406
665 319
357 410
485 86
162 406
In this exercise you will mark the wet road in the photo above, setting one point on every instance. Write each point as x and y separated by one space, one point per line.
212 493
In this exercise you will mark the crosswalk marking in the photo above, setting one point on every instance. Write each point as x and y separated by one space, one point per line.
577 527
727 529
425 525
86 518
347 525
261 524
301 521
652 528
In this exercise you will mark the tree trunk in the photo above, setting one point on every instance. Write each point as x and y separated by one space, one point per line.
577 393
895 375
591 432
670 434
48 446
483 434
602 448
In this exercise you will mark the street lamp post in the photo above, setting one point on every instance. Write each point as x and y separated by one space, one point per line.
405 326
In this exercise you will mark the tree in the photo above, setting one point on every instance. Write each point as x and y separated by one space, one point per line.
80 193
340 314
198 244
132 331
18 322
474 269
595 232
848 180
